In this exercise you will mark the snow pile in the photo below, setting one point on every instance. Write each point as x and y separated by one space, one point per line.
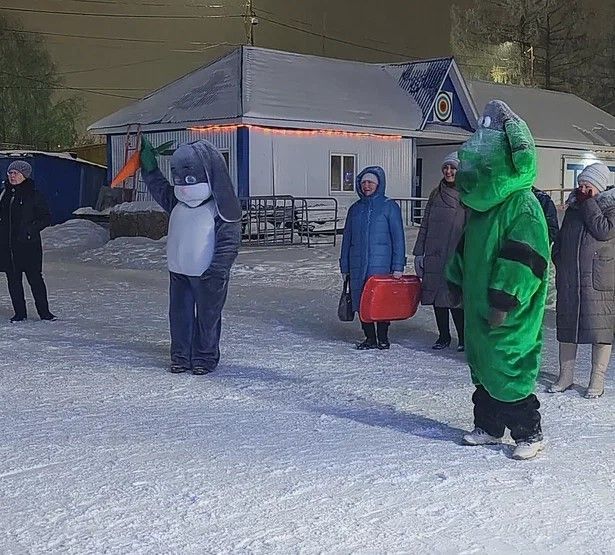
137 206
130 252
89 211
74 235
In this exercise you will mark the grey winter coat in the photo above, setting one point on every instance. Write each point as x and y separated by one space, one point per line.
584 257
441 229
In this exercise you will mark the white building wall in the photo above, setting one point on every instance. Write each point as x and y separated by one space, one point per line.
224 139
299 165
432 157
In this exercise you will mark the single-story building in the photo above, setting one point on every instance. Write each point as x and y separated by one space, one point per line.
302 125
67 182
570 133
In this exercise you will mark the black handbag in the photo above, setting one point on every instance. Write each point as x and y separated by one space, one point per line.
344 308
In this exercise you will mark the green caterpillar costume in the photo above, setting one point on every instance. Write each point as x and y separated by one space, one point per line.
500 266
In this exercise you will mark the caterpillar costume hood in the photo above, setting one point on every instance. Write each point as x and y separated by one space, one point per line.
497 160
199 171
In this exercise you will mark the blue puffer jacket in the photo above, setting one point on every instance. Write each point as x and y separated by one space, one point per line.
374 241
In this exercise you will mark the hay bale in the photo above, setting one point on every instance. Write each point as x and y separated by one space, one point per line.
138 219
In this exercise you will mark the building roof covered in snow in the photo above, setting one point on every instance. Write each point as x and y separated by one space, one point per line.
553 117
17 153
284 89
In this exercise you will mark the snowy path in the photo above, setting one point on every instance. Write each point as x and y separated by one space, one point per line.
297 444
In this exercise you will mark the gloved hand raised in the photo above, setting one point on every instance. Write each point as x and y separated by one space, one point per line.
148 156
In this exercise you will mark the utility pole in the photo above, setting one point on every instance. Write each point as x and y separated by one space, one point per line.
530 51
250 20
324 31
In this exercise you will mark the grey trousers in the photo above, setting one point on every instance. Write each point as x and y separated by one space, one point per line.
195 317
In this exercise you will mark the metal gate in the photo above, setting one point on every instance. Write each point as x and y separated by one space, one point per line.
286 220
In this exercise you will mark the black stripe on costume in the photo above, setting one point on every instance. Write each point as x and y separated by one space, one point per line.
520 147
523 253
501 300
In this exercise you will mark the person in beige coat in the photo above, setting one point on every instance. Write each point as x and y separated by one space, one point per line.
440 232
584 257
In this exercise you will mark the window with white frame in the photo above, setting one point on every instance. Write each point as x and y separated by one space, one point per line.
342 172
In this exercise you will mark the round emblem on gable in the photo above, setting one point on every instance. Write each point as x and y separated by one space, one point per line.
444 107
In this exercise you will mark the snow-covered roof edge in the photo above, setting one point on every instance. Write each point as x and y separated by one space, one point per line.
24 153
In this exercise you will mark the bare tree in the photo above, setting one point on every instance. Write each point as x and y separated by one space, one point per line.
36 111
544 41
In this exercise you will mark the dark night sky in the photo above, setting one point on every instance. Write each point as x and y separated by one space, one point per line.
155 41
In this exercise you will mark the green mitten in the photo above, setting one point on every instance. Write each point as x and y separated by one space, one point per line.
148 156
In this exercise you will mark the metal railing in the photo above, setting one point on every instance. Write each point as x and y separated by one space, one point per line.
412 209
277 220
319 220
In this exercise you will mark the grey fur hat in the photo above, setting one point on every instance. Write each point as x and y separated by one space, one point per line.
597 174
451 160
20 166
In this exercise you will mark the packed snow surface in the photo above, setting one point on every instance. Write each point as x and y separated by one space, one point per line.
298 443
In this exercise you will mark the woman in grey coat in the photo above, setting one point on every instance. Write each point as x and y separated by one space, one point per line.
441 229
584 257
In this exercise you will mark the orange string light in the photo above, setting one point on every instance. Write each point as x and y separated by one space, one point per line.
298 132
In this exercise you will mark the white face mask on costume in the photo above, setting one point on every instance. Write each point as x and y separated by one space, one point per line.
192 195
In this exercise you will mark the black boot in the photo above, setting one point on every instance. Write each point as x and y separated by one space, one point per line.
178 368
370 337
201 370
18 318
367 345
49 316
441 343
383 335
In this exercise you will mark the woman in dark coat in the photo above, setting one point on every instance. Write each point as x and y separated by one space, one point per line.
373 244
584 257
441 229
23 215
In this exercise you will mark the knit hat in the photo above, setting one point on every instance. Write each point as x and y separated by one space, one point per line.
370 177
20 166
597 174
452 160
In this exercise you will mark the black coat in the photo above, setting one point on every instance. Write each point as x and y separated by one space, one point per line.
23 215
550 212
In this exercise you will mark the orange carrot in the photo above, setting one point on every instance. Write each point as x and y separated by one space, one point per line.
130 168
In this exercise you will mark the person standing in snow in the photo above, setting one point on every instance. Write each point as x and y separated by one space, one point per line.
373 244
499 269
441 229
584 257
202 244
23 215
550 212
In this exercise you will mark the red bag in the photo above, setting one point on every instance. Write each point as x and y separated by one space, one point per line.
385 298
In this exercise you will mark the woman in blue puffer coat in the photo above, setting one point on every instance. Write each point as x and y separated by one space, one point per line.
373 244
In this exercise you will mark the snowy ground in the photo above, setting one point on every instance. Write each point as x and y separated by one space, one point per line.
297 444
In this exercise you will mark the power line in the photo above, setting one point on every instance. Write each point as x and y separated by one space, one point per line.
124 16
62 87
152 4
113 39
335 39
74 71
